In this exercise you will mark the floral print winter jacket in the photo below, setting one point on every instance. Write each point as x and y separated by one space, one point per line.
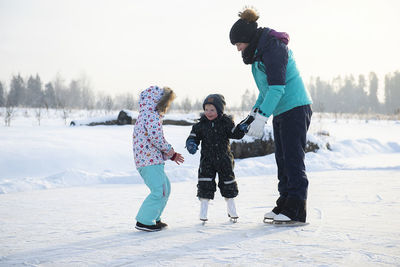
149 144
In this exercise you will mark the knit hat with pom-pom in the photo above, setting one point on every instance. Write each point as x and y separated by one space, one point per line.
244 29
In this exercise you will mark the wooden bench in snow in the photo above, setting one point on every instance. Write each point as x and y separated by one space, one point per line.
127 117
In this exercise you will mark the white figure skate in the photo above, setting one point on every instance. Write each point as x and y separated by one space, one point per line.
203 209
232 214
269 216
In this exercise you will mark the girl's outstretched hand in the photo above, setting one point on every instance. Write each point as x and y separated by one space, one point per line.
170 153
178 158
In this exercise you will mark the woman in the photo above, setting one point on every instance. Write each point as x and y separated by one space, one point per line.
282 94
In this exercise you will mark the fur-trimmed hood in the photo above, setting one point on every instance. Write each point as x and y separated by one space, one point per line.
155 99
149 144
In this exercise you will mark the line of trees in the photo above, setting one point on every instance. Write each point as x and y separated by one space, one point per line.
31 92
56 94
341 95
351 95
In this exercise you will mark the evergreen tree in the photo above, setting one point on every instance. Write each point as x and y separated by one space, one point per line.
16 96
49 96
74 95
337 84
2 94
392 93
396 92
373 93
186 105
322 95
34 94
360 95
388 94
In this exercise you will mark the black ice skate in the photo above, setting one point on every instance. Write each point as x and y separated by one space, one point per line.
148 228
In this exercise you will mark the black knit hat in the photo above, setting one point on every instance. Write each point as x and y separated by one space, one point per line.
217 100
242 31
245 27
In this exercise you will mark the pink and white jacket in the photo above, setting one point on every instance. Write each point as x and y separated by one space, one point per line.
149 144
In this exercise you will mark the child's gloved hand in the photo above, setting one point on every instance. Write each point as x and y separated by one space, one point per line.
244 127
191 146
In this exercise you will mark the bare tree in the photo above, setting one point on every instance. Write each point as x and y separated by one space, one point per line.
198 105
248 100
65 115
38 114
86 92
60 91
10 111
109 104
125 101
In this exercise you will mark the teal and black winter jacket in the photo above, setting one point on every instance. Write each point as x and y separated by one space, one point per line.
280 85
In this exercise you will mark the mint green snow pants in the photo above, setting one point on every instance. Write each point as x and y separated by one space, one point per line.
160 188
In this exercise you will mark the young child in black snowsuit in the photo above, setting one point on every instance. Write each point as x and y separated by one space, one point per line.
214 131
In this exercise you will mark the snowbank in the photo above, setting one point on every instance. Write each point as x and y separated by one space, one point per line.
53 156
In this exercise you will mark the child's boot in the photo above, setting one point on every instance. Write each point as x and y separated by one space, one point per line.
203 209
232 214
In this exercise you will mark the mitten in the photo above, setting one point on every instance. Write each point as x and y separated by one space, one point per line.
243 127
191 146
244 124
257 126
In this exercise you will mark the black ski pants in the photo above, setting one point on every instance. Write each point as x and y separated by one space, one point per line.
290 131
209 167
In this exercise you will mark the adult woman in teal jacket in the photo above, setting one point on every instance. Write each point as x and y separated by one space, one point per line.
282 94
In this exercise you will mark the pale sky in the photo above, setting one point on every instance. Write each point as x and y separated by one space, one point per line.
127 45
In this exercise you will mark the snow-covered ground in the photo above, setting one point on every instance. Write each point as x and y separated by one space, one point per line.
69 196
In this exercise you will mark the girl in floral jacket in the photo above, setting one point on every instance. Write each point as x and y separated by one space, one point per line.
150 151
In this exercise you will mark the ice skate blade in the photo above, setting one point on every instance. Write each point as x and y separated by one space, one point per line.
268 220
147 229
203 221
233 218
286 223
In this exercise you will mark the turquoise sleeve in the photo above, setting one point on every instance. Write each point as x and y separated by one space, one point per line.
259 101
271 99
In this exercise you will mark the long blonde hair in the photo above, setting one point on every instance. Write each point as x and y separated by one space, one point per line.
165 101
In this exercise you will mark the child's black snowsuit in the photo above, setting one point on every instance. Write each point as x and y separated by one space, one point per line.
216 155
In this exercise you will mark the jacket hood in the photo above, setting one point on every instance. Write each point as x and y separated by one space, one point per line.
283 36
149 98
